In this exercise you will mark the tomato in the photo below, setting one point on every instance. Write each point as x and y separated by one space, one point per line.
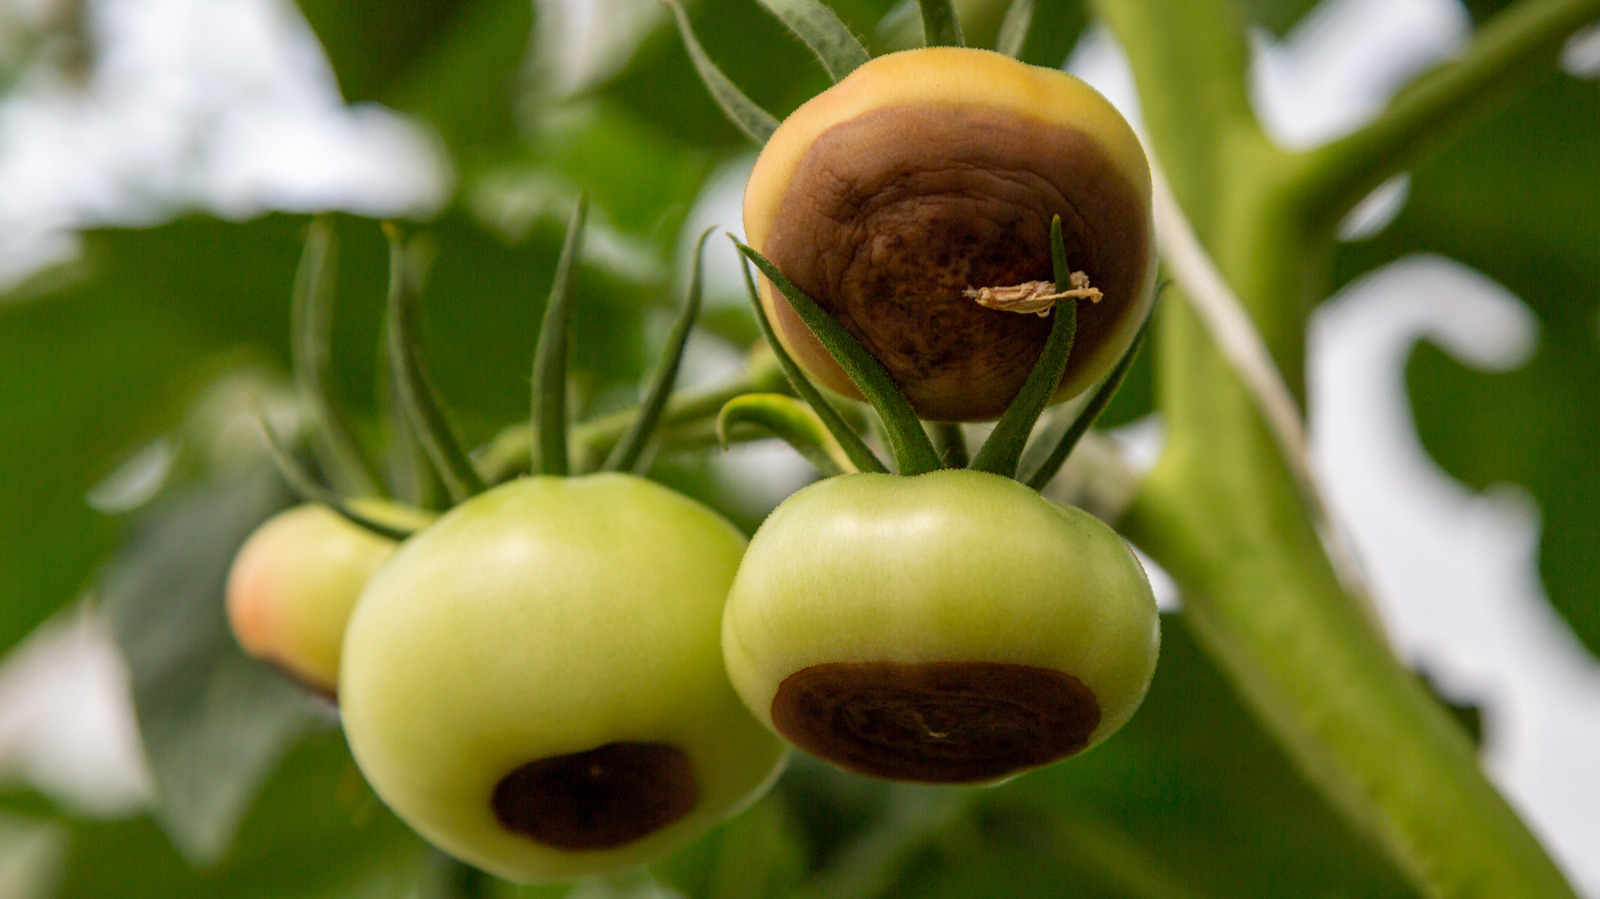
293 584
535 683
928 172
950 627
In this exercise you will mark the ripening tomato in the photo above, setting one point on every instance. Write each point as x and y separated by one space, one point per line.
953 627
294 582
535 683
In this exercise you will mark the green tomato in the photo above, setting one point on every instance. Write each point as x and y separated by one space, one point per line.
293 584
953 627
535 683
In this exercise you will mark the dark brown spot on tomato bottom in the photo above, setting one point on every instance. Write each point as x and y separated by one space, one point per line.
935 722
601 798
891 215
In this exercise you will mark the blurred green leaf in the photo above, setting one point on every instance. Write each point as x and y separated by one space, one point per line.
100 356
97 358
750 46
213 721
1518 198
644 180
317 833
458 63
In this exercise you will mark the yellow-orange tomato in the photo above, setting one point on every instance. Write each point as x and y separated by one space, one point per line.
292 587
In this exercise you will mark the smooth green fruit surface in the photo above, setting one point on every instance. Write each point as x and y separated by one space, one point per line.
535 683
950 627
292 587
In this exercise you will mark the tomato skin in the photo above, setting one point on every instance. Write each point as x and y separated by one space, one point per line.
544 618
292 587
928 171
954 566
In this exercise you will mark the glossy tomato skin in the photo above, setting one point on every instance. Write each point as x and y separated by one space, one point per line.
547 630
962 574
293 585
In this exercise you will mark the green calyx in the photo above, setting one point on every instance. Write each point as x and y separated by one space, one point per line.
914 452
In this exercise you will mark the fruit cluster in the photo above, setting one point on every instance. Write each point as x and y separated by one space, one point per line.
573 673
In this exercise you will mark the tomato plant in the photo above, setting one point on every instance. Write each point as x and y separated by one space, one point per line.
924 612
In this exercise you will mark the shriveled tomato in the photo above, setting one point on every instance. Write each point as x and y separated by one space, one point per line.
927 179
950 627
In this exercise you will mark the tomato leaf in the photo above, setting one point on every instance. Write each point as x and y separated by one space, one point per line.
457 63
1535 233
213 721
317 833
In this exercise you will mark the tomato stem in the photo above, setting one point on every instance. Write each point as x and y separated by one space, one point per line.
1002 452
1052 463
755 122
789 420
630 447
416 395
550 357
913 451
940 27
311 318
307 488
821 29
951 443
854 447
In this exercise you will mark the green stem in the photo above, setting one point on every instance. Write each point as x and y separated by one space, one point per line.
940 27
311 312
507 455
1511 48
1003 450
550 356
951 443
789 420
417 397
1052 463
1221 512
913 451
630 447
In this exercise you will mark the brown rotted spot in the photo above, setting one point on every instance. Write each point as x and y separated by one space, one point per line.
601 798
935 722
890 216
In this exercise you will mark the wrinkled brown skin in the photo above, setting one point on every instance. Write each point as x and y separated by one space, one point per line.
935 722
893 211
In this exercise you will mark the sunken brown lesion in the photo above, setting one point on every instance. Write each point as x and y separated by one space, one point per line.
891 215
602 798
935 722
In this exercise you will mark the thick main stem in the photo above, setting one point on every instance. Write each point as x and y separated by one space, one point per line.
1221 513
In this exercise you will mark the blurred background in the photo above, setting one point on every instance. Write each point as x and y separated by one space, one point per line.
158 159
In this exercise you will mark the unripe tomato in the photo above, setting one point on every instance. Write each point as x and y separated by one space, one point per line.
928 172
950 627
535 683
292 587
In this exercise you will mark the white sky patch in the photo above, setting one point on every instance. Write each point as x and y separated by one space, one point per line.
66 719
1580 56
721 203
226 106
1455 571
1377 210
1339 66
1098 59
